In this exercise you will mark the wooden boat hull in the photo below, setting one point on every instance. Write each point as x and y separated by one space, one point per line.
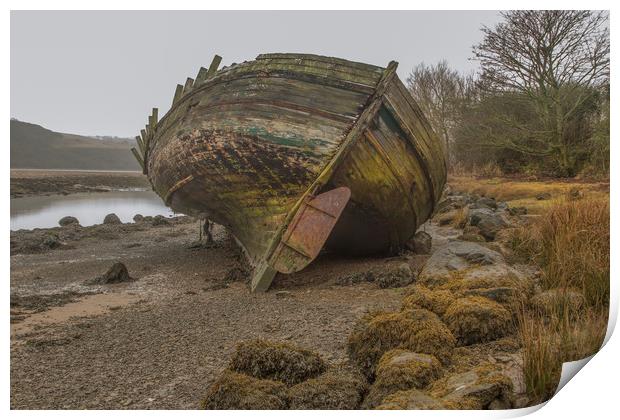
295 152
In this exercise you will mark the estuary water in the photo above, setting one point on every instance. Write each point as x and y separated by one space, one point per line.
89 208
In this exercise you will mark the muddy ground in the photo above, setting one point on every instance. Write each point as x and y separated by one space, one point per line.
160 340
28 182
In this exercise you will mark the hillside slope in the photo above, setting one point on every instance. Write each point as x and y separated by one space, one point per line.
35 147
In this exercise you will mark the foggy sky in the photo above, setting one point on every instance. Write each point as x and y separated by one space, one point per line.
100 73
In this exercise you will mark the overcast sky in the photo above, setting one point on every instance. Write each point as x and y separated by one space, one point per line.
100 73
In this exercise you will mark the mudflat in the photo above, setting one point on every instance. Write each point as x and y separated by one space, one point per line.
159 340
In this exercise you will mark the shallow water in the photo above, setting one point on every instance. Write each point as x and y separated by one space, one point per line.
89 208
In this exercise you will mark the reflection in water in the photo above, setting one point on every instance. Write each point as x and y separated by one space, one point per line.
89 208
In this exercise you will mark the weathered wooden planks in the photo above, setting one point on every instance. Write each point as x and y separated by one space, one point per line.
246 145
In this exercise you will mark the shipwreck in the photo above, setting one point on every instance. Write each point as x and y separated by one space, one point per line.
296 153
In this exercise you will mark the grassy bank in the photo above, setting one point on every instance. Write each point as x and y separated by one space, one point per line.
570 245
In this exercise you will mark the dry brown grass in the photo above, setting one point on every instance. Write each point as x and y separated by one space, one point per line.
547 343
570 244
520 193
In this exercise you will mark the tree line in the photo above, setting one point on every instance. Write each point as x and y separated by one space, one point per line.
539 104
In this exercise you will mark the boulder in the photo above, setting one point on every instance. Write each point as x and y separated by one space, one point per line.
417 330
413 399
160 220
420 243
138 218
337 389
111 219
118 273
399 370
485 202
68 220
487 221
395 277
51 241
474 389
475 215
478 319
235 391
459 258
489 225
277 361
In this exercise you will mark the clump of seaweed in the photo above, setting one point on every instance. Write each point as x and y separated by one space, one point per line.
278 361
235 391
417 330
400 370
478 319
436 301
337 389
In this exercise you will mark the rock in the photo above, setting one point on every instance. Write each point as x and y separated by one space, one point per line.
412 399
281 294
483 202
399 370
277 361
558 302
68 220
356 278
417 330
474 389
234 391
517 211
543 196
487 221
138 218
447 218
420 243
475 215
111 219
396 277
477 320
575 194
336 389
116 274
452 202
472 237
458 256
51 241
160 220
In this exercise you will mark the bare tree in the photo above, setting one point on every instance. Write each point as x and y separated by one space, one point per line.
439 91
557 59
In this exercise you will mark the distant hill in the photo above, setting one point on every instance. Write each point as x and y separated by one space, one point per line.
35 147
